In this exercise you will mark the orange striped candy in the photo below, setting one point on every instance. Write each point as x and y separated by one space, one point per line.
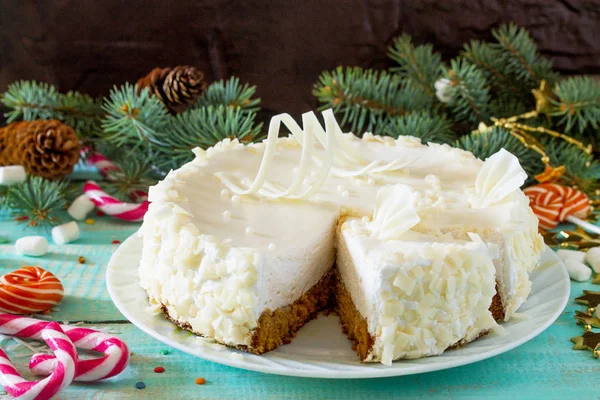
29 290
552 203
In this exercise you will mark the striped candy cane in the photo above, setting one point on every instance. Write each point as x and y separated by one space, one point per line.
112 362
111 206
103 164
61 377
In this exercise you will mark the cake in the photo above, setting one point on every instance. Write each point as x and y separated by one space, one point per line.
417 247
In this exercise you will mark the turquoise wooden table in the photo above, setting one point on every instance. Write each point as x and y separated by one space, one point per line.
545 367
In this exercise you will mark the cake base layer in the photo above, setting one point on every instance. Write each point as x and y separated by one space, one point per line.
356 328
280 326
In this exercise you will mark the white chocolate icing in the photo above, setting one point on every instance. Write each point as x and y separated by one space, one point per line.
246 228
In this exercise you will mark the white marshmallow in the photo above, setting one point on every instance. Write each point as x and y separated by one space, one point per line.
12 174
573 254
81 207
577 271
32 246
592 257
65 233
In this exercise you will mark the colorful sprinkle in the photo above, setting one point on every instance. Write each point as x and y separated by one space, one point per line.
140 385
116 241
164 352
200 381
100 213
90 221
81 260
159 370
22 218
46 312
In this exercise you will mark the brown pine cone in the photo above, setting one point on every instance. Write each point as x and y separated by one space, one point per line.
10 135
177 87
48 148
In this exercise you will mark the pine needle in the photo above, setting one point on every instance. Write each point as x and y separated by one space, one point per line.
37 201
427 127
230 93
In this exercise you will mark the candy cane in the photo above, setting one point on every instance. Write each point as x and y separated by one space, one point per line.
61 377
113 362
111 206
103 164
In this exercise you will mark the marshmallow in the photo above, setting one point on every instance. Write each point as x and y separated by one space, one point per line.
65 233
592 257
573 254
12 174
32 246
577 271
81 207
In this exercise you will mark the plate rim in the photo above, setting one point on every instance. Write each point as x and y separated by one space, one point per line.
366 373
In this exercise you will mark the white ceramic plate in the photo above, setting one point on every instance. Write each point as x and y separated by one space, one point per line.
320 349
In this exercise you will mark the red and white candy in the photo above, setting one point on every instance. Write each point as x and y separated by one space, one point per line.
61 376
103 164
553 204
113 361
29 290
114 207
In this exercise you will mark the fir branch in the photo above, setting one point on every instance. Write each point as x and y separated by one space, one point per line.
520 56
418 63
31 100
204 127
134 118
37 201
366 98
469 98
582 170
134 175
425 126
577 103
484 144
230 93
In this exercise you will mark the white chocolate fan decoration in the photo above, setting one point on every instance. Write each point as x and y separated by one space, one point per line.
337 159
500 176
395 212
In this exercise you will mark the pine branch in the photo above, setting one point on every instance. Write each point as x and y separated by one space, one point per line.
133 118
366 98
425 126
30 100
134 174
37 201
418 63
582 170
577 103
469 98
204 127
520 57
230 93
484 144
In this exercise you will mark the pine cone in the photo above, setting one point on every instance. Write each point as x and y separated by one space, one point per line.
10 135
48 148
177 87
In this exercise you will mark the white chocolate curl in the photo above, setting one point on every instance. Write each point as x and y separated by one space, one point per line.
592 257
12 174
32 246
395 212
500 176
81 207
577 271
337 160
65 233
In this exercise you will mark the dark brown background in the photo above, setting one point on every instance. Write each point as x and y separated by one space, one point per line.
281 46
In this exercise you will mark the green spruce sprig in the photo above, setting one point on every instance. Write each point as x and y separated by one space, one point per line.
132 176
417 63
582 170
37 201
469 93
204 127
230 93
30 100
133 118
425 126
577 103
365 99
